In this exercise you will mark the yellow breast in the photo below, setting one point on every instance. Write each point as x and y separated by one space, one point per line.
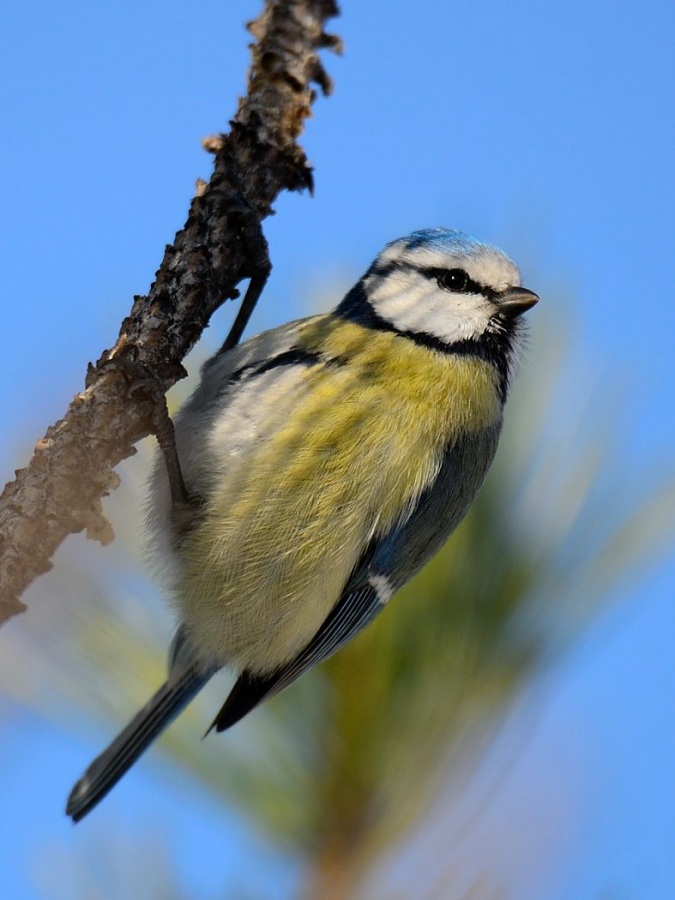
356 442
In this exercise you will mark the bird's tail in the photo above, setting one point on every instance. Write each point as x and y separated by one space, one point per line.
107 769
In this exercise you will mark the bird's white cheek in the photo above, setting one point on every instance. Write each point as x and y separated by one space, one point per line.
438 313
400 307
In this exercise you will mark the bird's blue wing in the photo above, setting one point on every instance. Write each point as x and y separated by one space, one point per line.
355 609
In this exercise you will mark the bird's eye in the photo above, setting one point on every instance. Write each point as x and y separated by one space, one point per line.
453 279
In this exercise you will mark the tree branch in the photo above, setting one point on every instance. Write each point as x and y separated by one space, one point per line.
60 490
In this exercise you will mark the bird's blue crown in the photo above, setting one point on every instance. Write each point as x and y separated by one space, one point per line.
447 240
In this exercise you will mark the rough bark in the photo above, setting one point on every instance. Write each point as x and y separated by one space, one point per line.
60 490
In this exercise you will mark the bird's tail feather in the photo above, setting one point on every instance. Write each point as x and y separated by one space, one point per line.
107 769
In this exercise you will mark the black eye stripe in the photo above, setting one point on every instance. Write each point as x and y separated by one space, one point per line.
435 273
457 280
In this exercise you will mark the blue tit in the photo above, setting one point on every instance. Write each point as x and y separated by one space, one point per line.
326 462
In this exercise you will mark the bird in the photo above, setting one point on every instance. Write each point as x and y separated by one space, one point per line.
321 465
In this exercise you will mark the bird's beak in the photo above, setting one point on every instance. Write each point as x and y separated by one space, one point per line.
516 300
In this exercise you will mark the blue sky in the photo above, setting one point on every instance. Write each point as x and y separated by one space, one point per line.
547 129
